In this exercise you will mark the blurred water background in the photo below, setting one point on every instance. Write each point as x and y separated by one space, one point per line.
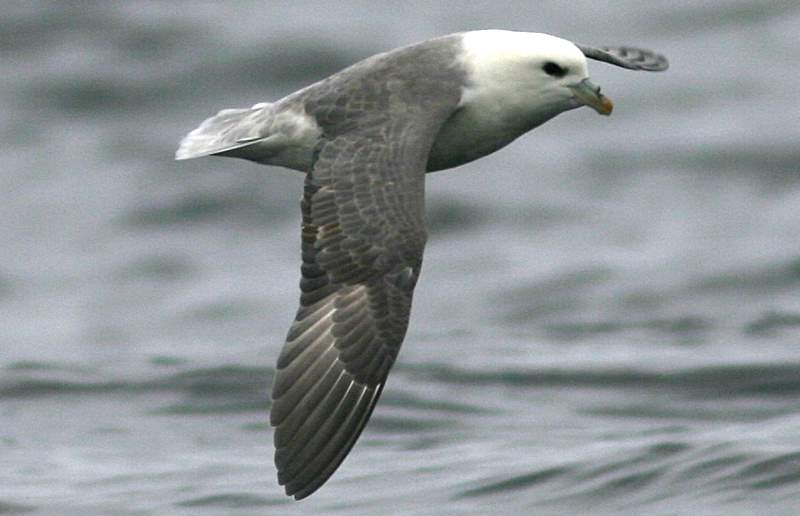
608 318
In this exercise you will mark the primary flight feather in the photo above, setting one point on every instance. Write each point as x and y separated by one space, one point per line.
365 137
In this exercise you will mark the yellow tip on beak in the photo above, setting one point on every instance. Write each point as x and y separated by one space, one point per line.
606 106
588 94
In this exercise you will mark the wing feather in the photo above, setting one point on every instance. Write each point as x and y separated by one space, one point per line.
363 234
627 57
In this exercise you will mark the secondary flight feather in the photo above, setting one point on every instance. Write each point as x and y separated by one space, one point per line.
364 138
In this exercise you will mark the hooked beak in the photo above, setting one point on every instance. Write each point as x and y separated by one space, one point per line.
589 94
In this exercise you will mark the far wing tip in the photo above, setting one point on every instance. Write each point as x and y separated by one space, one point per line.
631 58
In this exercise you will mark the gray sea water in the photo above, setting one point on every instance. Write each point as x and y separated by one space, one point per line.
608 318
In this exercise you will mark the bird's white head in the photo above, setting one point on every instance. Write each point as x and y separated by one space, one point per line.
527 77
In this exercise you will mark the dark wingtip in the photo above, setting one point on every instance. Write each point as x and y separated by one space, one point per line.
631 58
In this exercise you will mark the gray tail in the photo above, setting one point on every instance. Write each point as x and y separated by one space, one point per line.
227 130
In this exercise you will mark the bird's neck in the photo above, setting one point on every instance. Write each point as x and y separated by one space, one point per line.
483 125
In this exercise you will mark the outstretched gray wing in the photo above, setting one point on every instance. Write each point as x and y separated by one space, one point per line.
627 57
362 242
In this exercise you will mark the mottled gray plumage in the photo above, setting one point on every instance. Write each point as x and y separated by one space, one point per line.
363 237
365 138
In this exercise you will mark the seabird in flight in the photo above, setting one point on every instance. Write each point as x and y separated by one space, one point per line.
365 137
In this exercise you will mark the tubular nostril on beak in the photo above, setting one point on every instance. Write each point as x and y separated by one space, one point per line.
589 94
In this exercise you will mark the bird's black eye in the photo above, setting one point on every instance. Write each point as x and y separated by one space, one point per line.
551 68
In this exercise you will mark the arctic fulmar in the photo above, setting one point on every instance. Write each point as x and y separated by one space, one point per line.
365 137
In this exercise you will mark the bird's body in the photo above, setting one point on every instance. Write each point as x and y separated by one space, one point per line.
366 94
365 137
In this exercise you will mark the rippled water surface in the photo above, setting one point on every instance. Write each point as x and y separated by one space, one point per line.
608 318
